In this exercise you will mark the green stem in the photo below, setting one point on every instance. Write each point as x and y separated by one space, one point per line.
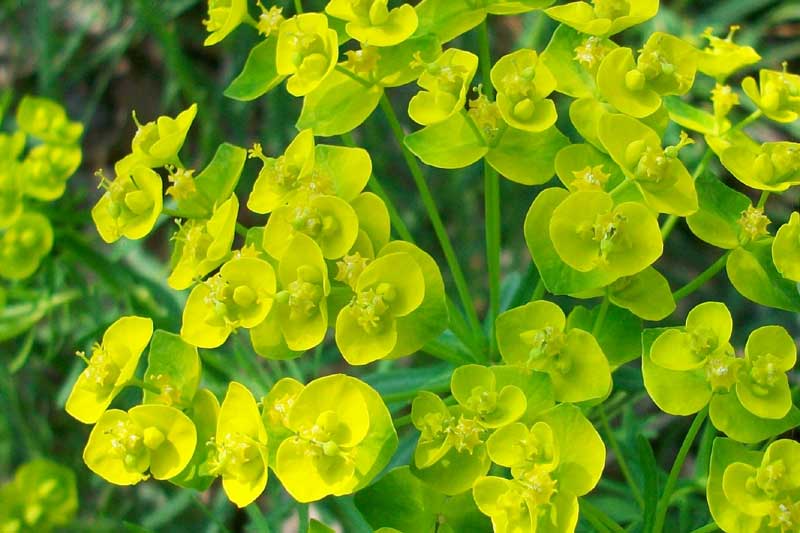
435 218
353 76
485 51
668 226
675 472
623 465
601 316
708 528
749 119
241 229
704 276
762 200
302 518
401 421
492 223
621 187
298 6
457 324
410 394
539 291
138 383
491 187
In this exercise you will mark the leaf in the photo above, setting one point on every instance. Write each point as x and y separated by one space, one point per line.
525 157
651 473
454 143
259 75
340 104
754 275
173 366
720 207
619 337
216 182
402 501
690 117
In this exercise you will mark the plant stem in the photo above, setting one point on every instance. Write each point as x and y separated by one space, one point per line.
539 291
675 472
704 276
241 229
623 465
401 421
435 218
749 119
601 316
708 528
492 223
762 201
457 324
485 57
410 394
298 6
491 197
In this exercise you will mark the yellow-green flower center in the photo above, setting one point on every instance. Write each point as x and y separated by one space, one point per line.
127 442
546 345
102 372
768 477
465 434
350 267
590 179
302 295
486 116
722 370
753 223
228 301
591 52
765 373
371 306
539 486
482 401
235 456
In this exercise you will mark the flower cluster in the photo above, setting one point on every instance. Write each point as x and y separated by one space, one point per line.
36 161
505 416
511 447
42 496
335 428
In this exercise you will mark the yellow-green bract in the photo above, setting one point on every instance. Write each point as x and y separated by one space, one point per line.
123 446
341 436
752 491
112 363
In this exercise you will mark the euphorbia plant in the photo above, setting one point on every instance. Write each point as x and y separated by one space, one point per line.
505 436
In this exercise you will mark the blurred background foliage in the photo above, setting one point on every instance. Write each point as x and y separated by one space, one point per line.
104 58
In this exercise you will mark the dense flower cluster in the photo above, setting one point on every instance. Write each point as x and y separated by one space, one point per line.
511 446
36 161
